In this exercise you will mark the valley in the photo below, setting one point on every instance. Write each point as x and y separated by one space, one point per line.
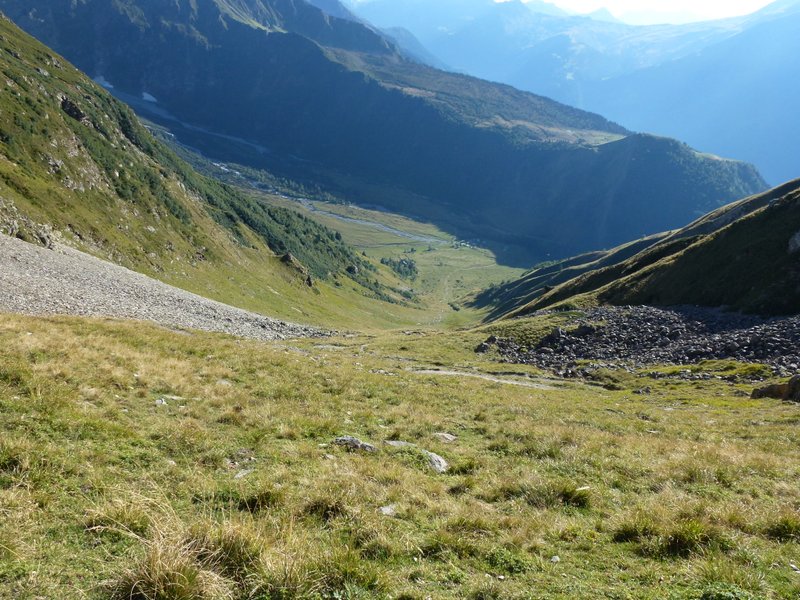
319 322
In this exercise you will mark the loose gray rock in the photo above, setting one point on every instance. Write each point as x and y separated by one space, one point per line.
632 337
389 510
399 444
65 281
447 438
556 559
436 462
354 444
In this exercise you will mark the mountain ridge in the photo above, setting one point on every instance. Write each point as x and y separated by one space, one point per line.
487 162
743 256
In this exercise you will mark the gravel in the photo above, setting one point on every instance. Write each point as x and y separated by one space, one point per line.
637 336
65 281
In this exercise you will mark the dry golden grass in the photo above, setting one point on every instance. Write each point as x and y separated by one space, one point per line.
141 463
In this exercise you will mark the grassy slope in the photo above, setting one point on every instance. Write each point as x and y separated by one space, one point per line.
639 496
736 256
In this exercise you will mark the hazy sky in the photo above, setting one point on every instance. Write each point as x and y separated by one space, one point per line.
649 11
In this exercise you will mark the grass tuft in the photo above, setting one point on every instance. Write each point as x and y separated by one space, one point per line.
784 528
170 571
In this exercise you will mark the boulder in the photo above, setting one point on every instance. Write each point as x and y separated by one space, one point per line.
789 391
72 109
793 391
776 391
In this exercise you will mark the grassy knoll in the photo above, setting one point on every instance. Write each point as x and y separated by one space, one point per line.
137 462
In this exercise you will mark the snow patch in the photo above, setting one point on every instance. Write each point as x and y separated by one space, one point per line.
149 97
104 82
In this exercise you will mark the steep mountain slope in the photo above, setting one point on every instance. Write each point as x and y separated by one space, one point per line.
646 78
747 106
311 96
77 166
744 256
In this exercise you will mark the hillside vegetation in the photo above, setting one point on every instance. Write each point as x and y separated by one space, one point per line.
744 256
337 105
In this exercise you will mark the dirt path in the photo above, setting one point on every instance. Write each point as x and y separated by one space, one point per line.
492 378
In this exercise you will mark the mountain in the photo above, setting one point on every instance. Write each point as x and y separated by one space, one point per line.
645 77
412 48
744 256
283 86
746 105
76 166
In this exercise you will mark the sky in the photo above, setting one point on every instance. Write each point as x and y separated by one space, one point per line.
673 11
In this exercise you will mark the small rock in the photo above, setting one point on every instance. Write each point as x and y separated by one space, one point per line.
243 473
354 444
436 462
556 559
447 438
161 402
399 444
389 510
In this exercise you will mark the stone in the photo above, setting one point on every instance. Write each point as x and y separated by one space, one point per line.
447 438
389 510
793 389
399 444
161 402
354 444
556 559
777 391
436 462
243 473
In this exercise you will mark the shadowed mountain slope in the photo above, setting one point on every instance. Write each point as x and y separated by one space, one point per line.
313 97
744 256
